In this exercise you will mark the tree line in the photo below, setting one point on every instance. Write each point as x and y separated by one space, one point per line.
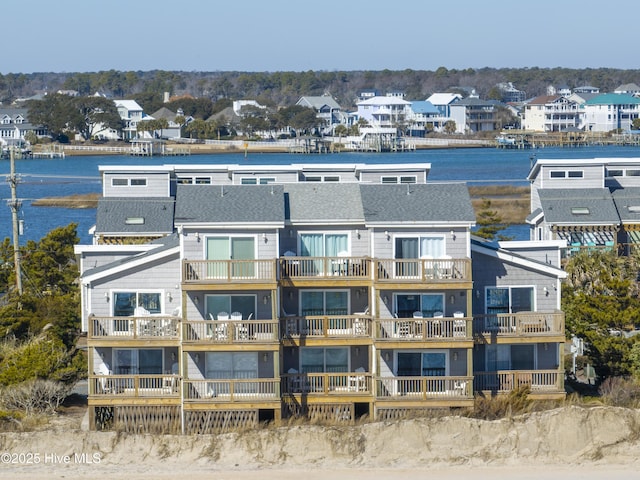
285 88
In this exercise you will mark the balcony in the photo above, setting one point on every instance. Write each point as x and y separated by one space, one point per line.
232 390
423 388
504 381
328 326
149 327
230 331
228 271
423 329
158 386
319 268
519 324
327 383
412 270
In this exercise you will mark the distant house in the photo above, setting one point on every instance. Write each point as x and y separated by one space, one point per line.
173 128
510 93
473 115
384 111
14 125
326 108
586 89
551 113
628 89
443 102
426 117
131 113
611 111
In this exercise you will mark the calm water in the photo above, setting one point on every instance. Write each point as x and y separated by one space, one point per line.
78 175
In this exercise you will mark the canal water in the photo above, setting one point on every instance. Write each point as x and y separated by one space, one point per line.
79 175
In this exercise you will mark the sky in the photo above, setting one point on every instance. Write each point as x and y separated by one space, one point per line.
327 35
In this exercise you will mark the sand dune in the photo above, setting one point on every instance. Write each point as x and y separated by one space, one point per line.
572 442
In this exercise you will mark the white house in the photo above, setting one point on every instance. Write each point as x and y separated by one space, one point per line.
384 111
611 111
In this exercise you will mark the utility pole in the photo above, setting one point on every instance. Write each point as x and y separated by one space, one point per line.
15 205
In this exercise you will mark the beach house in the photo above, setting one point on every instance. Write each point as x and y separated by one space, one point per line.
221 296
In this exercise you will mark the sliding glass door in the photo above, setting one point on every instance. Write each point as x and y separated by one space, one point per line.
231 248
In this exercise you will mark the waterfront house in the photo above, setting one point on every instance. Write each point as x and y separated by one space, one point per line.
473 115
14 125
611 111
327 110
551 113
328 291
587 203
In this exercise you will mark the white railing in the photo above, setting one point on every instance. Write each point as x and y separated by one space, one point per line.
522 323
423 328
135 385
327 326
327 383
148 327
230 331
232 390
423 388
508 380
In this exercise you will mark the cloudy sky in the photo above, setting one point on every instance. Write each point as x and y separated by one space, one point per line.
300 35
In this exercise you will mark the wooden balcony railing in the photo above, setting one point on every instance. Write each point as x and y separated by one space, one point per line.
232 390
520 324
508 380
135 385
423 270
229 271
148 327
423 388
327 383
327 326
323 267
419 329
230 331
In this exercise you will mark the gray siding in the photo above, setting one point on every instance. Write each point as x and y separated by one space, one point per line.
490 272
158 277
593 176
157 185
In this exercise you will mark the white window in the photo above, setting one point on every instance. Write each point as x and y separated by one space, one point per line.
125 303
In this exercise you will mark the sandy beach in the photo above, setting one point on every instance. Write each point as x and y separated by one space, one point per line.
569 443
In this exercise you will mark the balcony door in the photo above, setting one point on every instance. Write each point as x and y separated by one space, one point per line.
324 302
429 304
231 248
137 361
422 364
321 245
408 248
245 304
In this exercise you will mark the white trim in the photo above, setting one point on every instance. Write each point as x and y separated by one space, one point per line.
523 262
120 268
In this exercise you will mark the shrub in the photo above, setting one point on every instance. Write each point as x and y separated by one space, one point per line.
620 392
501 406
34 396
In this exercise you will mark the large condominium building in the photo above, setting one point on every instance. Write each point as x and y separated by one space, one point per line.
220 296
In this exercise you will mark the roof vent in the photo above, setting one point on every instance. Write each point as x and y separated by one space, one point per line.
634 208
134 221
